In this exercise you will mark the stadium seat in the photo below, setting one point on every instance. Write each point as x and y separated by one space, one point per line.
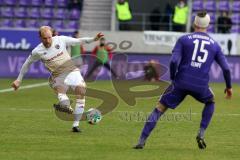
46 13
34 12
72 24
9 2
212 17
60 13
211 28
236 6
44 22
61 3
74 14
223 5
49 3
20 12
6 12
235 29
235 17
193 16
32 23
210 5
57 24
23 2
19 23
197 5
6 23
37 3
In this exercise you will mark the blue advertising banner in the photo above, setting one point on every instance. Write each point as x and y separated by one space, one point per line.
21 40
11 62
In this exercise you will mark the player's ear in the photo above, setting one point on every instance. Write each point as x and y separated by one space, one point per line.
39 33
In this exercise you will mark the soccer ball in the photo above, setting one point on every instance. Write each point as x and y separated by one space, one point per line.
94 116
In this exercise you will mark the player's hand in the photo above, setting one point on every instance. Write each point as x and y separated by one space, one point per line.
16 84
228 92
98 36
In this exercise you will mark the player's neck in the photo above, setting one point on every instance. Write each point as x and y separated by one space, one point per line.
200 30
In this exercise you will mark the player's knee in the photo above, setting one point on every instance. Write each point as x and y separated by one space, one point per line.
161 107
210 101
80 90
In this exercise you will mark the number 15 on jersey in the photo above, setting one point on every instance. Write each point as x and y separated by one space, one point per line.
197 60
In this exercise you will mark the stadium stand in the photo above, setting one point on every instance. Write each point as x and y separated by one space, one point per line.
97 14
215 7
27 14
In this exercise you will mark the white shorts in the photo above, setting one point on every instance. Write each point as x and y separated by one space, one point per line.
67 80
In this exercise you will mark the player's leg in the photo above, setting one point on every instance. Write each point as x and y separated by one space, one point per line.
170 99
64 102
207 98
76 82
60 89
150 124
106 65
95 65
79 107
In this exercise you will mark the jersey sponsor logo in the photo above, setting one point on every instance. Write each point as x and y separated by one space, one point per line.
59 54
57 46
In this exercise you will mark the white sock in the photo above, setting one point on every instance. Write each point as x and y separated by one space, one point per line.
79 109
62 97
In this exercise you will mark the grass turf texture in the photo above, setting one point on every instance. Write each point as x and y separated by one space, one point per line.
30 130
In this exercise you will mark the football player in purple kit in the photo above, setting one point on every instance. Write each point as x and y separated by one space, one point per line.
192 57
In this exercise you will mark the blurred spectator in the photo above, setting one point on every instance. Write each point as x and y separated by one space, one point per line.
124 14
155 18
167 17
78 4
77 51
180 16
224 23
151 71
103 54
54 32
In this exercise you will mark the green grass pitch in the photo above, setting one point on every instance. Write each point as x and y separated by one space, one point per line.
30 130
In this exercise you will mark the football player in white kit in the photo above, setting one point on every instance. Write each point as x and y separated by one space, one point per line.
64 74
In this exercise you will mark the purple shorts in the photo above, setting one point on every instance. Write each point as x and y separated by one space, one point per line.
174 95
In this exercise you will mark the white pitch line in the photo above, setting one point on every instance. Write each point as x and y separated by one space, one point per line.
20 108
24 87
221 114
25 109
184 113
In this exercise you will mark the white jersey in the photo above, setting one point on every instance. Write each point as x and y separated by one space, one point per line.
56 58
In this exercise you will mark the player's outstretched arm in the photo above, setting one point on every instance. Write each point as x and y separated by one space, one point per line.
16 84
75 41
98 36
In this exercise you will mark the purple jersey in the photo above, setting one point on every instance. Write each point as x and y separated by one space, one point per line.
192 58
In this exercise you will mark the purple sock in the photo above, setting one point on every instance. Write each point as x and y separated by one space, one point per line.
150 125
207 115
